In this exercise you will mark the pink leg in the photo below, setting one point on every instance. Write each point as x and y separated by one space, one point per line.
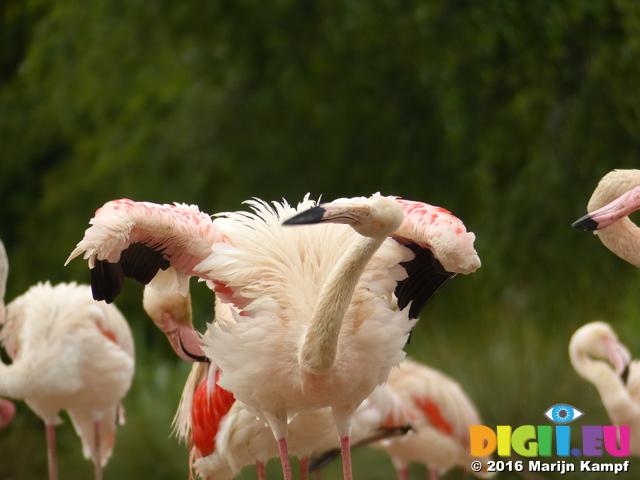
52 455
97 461
284 458
345 448
262 472
433 474
403 473
317 475
304 468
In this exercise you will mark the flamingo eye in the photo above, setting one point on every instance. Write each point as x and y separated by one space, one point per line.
563 413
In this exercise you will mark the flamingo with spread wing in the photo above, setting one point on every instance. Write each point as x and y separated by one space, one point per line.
323 310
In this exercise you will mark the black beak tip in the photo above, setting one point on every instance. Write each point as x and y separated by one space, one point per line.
313 215
585 223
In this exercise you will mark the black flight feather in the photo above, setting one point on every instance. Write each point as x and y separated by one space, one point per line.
425 277
138 261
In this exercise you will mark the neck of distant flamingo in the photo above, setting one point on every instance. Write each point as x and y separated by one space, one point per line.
602 376
623 239
321 343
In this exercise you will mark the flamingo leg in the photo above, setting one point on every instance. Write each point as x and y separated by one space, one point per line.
402 469
284 458
97 461
317 475
403 473
433 474
261 470
304 468
345 448
52 455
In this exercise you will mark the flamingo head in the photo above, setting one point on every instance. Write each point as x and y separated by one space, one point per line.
171 312
599 341
376 216
616 196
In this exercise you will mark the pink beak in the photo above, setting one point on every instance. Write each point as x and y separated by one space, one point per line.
618 355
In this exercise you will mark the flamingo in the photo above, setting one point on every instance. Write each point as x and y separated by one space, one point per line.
171 313
442 414
616 196
597 356
69 353
323 311
224 436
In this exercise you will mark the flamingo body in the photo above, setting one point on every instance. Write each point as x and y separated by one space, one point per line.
69 353
442 414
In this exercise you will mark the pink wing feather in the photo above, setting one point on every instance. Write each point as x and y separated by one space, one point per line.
442 248
139 239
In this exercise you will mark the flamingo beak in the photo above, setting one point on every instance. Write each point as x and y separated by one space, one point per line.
601 218
187 343
618 355
586 224
330 213
310 216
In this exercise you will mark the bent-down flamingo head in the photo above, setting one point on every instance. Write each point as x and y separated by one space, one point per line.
599 341
171 312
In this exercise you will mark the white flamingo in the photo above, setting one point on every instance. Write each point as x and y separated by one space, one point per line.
614 199
69 353
442 414
598 356
224 436
318 324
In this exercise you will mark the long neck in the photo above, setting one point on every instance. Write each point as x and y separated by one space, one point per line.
319 350
613 393
623 239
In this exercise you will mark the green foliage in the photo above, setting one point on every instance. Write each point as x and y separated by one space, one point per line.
506 113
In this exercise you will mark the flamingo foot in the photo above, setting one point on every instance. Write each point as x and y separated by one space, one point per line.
284 458
345 448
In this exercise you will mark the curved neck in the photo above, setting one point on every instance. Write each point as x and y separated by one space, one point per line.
321 343
613 392
623 239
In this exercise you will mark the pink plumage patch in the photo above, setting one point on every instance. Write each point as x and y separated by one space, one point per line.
434 415
107 333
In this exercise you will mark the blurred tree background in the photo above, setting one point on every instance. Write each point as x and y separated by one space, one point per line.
506 113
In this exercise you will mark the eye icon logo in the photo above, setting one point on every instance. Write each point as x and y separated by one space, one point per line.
562 413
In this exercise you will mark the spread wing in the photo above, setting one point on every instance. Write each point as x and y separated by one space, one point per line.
442 248
140 240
